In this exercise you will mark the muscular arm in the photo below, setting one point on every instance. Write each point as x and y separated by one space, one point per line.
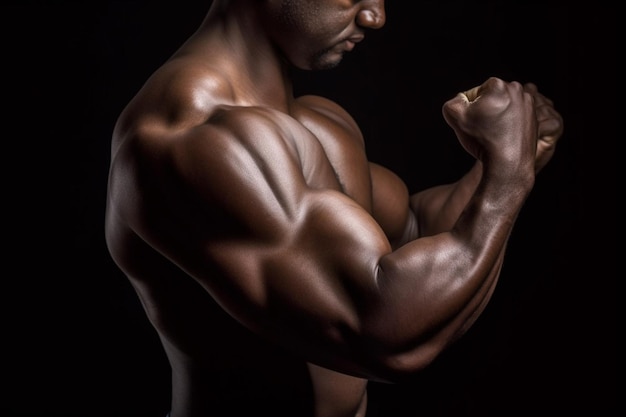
308 267
427 213
438 209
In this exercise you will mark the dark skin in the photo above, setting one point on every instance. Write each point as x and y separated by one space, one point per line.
272 258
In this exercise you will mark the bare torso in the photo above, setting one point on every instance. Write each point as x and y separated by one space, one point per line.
220 367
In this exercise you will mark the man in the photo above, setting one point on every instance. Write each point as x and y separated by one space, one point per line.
280 268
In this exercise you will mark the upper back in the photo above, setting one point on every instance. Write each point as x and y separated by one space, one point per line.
188 140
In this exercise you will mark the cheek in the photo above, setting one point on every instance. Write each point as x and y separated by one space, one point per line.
304 29
309 20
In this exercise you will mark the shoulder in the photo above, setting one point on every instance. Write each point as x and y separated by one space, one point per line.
182 93
188 106
326 116
311 106
250 122
237 147
211 173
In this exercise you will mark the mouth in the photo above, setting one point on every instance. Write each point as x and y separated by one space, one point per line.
351 42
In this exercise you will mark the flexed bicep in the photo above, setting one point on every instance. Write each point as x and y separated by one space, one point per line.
390 206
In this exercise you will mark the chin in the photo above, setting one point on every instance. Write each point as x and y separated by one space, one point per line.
325 66
326 61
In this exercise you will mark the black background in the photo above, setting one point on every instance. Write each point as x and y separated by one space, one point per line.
75 340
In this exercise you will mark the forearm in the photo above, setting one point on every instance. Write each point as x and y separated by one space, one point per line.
437 209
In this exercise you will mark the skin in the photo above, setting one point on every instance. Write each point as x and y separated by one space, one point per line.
268 252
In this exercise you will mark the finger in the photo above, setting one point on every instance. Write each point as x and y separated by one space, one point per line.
540 99
531 88
549 131
550 123
471 95
454 109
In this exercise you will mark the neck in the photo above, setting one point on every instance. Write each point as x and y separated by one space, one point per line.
235 42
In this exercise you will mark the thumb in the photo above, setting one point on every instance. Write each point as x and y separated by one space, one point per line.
454 110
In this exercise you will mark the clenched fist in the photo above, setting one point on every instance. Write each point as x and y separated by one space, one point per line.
506 125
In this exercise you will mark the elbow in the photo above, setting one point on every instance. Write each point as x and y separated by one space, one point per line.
398 365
